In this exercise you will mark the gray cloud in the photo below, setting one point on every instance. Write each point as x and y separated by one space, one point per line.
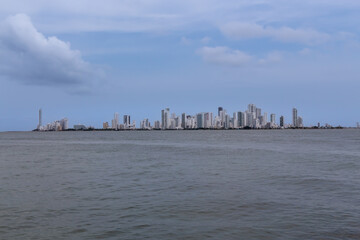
241 30
29 57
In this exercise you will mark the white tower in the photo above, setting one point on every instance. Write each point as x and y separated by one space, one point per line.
40 119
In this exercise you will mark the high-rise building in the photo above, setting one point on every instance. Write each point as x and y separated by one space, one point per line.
241 119
358 125
235 120
295 117
157 125
207 120
220 109
299 122
265 119
252 108
126 121
165 118
40 119
282 121
200 120
64 123
272 118
115 121
105 125
183 120
258 112
227 121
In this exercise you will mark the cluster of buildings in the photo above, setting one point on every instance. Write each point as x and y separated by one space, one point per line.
58 125
251 118
116 125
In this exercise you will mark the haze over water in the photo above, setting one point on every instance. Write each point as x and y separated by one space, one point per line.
275 184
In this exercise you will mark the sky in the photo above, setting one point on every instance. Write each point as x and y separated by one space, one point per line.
86 60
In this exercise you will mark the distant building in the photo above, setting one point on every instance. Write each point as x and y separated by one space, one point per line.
258 112
64 123
157 125
358 125
252 108
295 117
183 120
126 121
265 119
299 122
115 121
200 120
165 118
220 109
105 125
80 127
282 121
272 118
145 124
40 119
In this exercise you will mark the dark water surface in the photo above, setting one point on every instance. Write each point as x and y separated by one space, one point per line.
290 184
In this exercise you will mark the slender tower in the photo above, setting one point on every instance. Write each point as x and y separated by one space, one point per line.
295 117
40 119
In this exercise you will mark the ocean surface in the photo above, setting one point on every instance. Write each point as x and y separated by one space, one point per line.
258 184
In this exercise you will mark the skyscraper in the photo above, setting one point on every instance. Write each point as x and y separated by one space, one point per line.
241 119
282 121
183 120
64 123
265 119
126 121
200 120
272 118
295 117
299 122
252 108
165 118
40 119
220 109
258 112
115 121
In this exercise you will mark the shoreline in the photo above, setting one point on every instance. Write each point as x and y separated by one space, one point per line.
194 129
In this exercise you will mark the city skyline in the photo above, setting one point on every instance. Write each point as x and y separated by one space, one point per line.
136 57
251 118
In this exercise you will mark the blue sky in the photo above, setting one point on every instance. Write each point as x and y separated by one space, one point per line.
89 59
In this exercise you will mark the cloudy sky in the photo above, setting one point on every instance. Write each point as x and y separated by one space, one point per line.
86 60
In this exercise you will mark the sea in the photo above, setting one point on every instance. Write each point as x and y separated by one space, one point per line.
238 184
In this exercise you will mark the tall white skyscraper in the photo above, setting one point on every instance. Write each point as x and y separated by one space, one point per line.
115 121
265 120
295 117
40 119
252 108
272 118
165 118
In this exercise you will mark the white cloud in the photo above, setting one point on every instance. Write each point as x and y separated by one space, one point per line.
231 57
29 57
163 15
241 30
224 56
